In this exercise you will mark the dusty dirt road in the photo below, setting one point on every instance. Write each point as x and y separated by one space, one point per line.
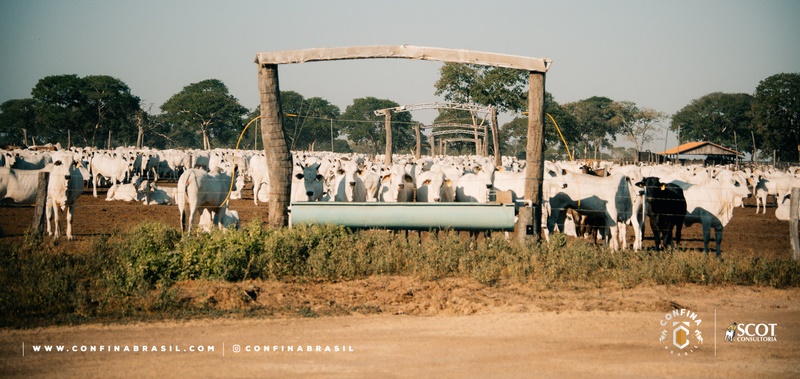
508 332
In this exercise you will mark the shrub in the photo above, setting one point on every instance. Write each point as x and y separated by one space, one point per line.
144 257
132 273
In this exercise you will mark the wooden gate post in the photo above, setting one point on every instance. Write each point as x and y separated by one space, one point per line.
530 217
388 117
418 148
794 215
279 159
41 203
498 161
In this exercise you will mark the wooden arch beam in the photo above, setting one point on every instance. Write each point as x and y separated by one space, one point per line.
404 52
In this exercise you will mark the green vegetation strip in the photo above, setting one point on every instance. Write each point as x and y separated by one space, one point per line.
130 274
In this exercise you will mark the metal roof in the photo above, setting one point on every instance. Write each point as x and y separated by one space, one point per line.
701 148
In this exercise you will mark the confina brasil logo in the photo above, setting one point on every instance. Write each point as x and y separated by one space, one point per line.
680 332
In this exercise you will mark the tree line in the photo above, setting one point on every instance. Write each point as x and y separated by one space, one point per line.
101 111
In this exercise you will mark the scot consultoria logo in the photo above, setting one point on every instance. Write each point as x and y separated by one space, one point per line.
751 332
680 333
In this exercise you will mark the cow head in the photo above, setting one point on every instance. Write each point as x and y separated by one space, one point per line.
649 183
429 186
311 180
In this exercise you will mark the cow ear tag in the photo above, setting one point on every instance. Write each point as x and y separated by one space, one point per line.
663 186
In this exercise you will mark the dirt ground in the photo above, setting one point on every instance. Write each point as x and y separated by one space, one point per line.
402 327
488 332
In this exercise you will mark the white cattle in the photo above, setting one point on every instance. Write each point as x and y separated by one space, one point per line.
513 181
150 163
7 159
115 168
215 160
236 192
783 212
230 220
260 178
175 161
306 183
372 182
779 184
711 204
201 159
126 192
199 189
63 188
612 198
760 191
349 186
474 188
20 186
396 186
432 187
31 160
155 195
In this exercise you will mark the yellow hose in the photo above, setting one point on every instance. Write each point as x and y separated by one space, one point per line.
569 154
233 172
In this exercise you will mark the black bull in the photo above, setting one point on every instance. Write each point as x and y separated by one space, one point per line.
666 207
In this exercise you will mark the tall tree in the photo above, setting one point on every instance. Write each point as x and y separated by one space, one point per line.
204 109
717 117
17 121
62 106
85 107
114 107
638 125
503 88
152 130
310 122
776 114
595 124
364 128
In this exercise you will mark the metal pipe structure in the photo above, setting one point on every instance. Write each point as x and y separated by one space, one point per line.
406 216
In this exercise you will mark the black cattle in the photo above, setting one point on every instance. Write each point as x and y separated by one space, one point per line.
666 207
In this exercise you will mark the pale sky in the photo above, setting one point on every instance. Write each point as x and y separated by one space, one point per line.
658 54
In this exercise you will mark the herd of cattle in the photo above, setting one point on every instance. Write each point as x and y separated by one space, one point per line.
603 199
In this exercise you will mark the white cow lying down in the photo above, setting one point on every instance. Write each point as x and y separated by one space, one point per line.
230 220
126 192
155 195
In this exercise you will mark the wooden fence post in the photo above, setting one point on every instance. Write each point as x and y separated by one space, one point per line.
41 202
793 217
418 148
388 120
530 217
279 158
498 161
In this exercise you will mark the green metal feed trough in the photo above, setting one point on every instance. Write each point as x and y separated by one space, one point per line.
406 216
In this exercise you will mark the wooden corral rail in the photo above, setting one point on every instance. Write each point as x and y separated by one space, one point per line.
279 160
